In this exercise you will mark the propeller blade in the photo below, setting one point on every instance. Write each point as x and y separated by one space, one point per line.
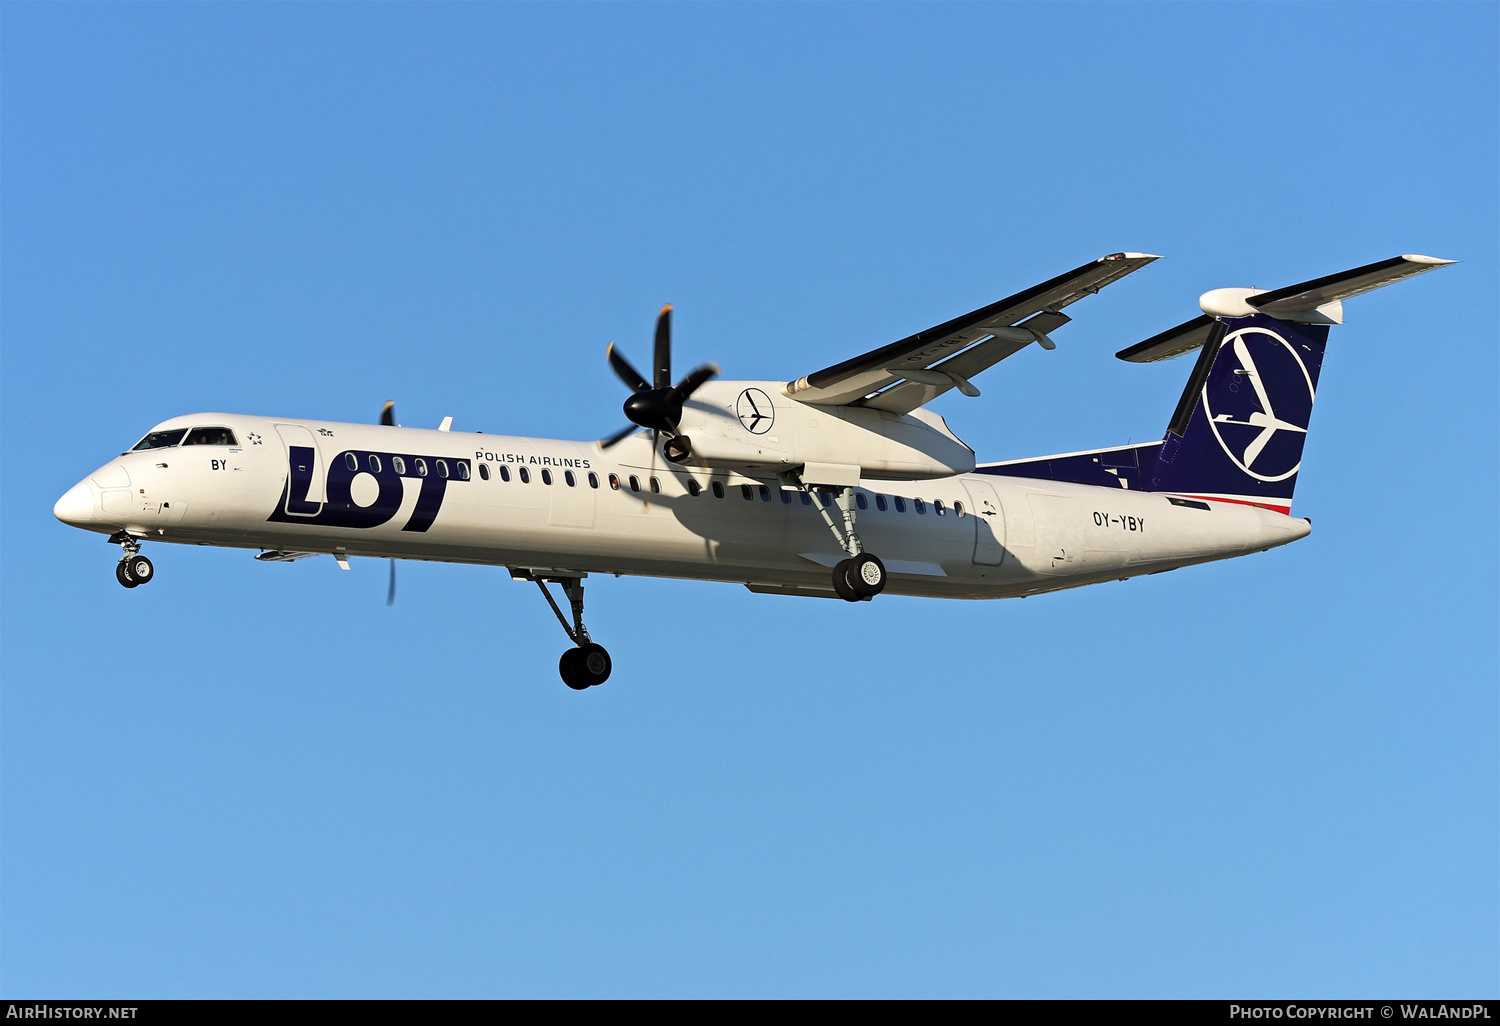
696 377
626 372
618 436
390 592
388 413
661 366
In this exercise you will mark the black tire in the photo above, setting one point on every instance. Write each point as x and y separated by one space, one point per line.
867 575
138 568
121 576
842 582
567 668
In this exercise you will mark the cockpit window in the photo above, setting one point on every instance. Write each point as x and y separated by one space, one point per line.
160 439
211 436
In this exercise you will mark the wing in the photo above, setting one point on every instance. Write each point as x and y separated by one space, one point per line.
907 374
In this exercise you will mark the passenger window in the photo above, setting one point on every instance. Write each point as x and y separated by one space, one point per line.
210 436
351 461
786 497
635 483
160 439
421 466
859 500
484 471
442 466
880 503
806 499
694 487
718 490
825 499
461 468
919 505
747 493
504 472
398 464
765 494
568 477
593 480
374 462
900 504
655 486
614 482
937 507
524 475
546 476
958 509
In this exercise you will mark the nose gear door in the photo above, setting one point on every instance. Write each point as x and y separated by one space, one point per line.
989 522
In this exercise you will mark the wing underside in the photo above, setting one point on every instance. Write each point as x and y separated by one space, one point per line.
915 370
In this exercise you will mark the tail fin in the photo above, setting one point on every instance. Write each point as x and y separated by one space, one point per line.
1238 431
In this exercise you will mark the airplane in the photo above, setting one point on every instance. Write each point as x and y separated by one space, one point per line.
840 484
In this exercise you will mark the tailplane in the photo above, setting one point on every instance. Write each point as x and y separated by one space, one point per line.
1238 430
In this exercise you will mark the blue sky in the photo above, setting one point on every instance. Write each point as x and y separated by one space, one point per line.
1275 775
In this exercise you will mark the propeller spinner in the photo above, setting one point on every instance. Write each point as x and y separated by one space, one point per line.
657 404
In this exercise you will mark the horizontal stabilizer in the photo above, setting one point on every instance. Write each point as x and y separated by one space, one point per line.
1173 342
1307 296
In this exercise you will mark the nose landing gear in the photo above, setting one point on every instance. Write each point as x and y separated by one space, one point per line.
133 569
586 663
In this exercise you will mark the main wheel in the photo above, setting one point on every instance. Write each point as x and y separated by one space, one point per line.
867 575
585 666
843 581
138 568
121 576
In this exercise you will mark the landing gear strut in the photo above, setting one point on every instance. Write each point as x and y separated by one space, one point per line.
133 569
585 664
862 576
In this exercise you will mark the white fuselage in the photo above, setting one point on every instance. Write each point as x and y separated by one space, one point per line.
995 536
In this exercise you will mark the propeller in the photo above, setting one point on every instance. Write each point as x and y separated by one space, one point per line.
388 419
656 404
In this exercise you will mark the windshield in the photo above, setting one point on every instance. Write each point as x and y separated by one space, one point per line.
160 439
210 436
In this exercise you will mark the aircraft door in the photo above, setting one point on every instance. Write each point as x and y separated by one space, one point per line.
989 522
304 492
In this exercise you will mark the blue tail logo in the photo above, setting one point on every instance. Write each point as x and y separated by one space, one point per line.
1259 407
1239 429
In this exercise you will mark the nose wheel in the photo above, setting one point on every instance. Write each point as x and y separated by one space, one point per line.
133 569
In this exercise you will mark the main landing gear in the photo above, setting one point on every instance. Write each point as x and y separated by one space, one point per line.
585 664
133 569
862 576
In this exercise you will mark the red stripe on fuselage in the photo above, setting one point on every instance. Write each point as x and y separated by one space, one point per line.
1285 510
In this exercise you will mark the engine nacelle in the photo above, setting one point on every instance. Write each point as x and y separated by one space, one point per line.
752 426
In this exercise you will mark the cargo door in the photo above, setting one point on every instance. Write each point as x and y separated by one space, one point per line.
989 522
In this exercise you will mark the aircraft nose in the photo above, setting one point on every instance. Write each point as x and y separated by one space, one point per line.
77 507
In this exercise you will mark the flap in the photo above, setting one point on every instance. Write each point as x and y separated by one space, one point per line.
859 378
